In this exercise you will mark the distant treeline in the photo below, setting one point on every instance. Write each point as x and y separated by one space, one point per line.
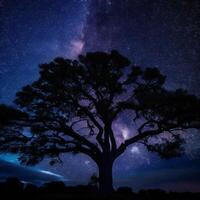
15 189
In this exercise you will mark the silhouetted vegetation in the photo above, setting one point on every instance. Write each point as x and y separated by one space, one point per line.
74 103
13 188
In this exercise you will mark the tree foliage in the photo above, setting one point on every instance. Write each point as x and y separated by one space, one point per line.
73 104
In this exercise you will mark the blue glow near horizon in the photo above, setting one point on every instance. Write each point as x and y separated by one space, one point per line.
9 157
13 158
50 173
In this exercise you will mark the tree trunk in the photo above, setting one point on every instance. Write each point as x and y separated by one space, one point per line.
105 177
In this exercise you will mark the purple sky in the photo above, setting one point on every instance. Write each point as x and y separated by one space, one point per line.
157 33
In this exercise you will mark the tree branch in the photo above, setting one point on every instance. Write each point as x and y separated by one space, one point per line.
135 139
94 121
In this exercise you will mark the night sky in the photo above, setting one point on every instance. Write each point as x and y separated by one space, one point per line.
165 34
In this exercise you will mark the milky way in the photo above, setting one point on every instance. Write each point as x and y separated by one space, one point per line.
165 34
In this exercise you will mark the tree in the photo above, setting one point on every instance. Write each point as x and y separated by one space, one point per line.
73 104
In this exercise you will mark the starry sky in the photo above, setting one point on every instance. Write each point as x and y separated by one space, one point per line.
165 34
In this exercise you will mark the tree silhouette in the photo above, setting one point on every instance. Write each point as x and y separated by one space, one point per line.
73 104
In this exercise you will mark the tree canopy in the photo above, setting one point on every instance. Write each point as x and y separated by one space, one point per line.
73 104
